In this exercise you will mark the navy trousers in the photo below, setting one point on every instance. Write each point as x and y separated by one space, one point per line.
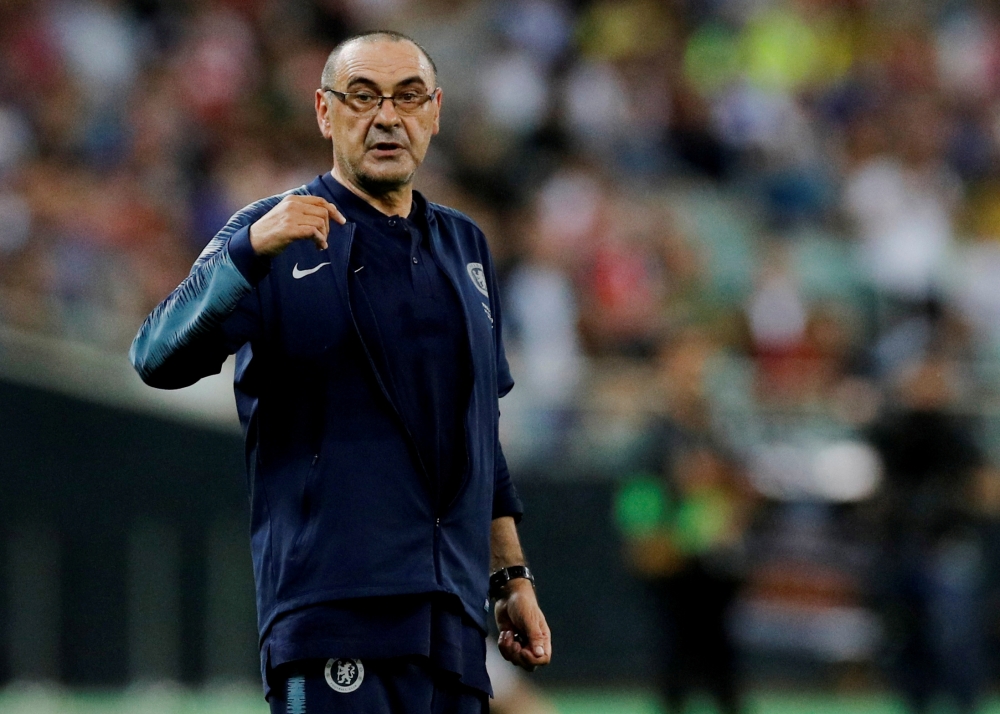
402 685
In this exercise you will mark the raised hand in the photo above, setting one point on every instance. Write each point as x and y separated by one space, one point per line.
294 218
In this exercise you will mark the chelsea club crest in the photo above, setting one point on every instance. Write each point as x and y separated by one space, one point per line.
478 276
344 675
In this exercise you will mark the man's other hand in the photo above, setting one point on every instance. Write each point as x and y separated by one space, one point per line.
525 639
294 218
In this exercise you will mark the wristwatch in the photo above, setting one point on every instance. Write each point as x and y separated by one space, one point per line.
503 576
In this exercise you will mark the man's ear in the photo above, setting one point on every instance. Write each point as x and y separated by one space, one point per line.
437 110
323 114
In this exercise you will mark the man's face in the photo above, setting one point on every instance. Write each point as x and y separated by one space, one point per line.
379 150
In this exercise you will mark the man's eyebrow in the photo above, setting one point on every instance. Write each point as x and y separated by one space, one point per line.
362 80
415 79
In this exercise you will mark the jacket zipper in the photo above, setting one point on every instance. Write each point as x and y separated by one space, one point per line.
437 549
399 417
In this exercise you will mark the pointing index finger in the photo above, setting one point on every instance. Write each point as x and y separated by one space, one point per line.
335 213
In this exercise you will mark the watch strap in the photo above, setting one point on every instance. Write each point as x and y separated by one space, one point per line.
500 578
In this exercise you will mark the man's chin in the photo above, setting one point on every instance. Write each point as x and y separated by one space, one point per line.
378 183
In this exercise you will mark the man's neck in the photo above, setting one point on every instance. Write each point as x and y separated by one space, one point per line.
395 203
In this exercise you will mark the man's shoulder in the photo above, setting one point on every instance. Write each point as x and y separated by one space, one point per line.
457 215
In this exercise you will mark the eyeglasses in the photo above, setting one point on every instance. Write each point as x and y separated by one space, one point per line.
406 102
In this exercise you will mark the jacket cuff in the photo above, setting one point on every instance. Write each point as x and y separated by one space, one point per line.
253 267
506 502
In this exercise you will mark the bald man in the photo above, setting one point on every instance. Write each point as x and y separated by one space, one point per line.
367 331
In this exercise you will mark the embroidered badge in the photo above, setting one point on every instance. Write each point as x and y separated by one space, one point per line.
344 675
478 276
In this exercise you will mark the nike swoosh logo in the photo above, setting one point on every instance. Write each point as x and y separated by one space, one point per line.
298 274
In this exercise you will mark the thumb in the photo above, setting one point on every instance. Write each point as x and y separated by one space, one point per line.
536 637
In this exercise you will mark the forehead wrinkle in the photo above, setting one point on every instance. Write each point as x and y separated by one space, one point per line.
366 61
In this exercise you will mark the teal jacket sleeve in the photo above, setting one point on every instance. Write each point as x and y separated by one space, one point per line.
211 314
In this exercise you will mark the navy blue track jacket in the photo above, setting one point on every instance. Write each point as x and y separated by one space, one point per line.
340 507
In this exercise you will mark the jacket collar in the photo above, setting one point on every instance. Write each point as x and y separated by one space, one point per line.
354 207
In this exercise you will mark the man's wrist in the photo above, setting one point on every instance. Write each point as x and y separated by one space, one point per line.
504 580
251 264
518 584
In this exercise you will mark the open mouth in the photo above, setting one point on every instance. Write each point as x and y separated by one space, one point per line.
387 147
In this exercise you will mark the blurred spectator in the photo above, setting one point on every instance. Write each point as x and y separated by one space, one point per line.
100 46
543 318
934 559
626 283
903 203
976 272
683 521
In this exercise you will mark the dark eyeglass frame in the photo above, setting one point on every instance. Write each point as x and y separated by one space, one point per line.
394 98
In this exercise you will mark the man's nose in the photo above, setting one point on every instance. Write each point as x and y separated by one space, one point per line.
387 114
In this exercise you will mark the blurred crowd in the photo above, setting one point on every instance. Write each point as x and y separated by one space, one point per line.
763 235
